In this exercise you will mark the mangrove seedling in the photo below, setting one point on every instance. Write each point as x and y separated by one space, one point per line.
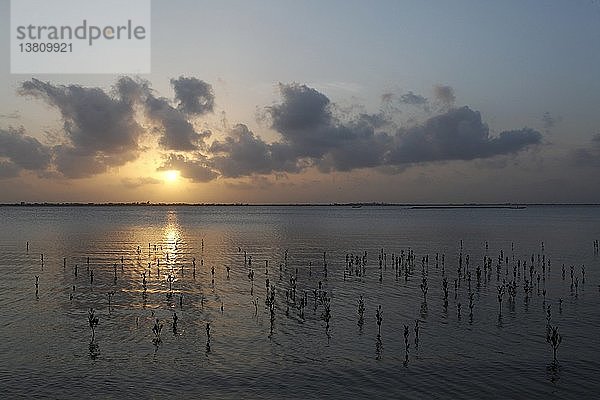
110 295
445 288
157 329
361 310
406 344
424 288
379 317
417 333
93 322
471 296
554 339
501 291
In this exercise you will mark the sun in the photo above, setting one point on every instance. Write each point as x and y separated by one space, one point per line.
171 175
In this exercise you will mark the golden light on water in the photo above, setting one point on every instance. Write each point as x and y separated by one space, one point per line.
172 236
172 233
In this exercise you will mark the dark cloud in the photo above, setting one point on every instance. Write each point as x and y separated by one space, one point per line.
242 153
131 91
194 168
459 134
302 108
301 118
177 133
193 95
444 94
393 104
73 162
360 146
25 151
412 99
308 127
22 152
173 126
311 135
8 169
378 120
100 129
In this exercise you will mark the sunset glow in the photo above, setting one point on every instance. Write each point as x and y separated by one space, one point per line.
171 176
377 112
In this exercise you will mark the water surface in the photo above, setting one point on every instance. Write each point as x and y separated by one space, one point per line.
46 338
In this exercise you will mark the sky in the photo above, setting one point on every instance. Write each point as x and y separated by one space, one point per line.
320 102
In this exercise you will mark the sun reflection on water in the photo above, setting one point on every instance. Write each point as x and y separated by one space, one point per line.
172 233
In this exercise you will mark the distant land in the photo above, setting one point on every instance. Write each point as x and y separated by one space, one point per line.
353 205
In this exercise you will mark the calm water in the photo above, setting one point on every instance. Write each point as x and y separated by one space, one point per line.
45 342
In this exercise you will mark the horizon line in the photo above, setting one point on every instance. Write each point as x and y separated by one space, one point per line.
307 204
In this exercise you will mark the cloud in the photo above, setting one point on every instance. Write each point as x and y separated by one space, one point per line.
313 136
177 133
194 168
412 99
301 113
444 94
309 130
21 152
132 183
100 129
255 182
193 95
394 104
8 169
458 134
242 153
172 124
588 156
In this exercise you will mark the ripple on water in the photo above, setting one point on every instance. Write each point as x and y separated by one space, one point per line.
46 340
